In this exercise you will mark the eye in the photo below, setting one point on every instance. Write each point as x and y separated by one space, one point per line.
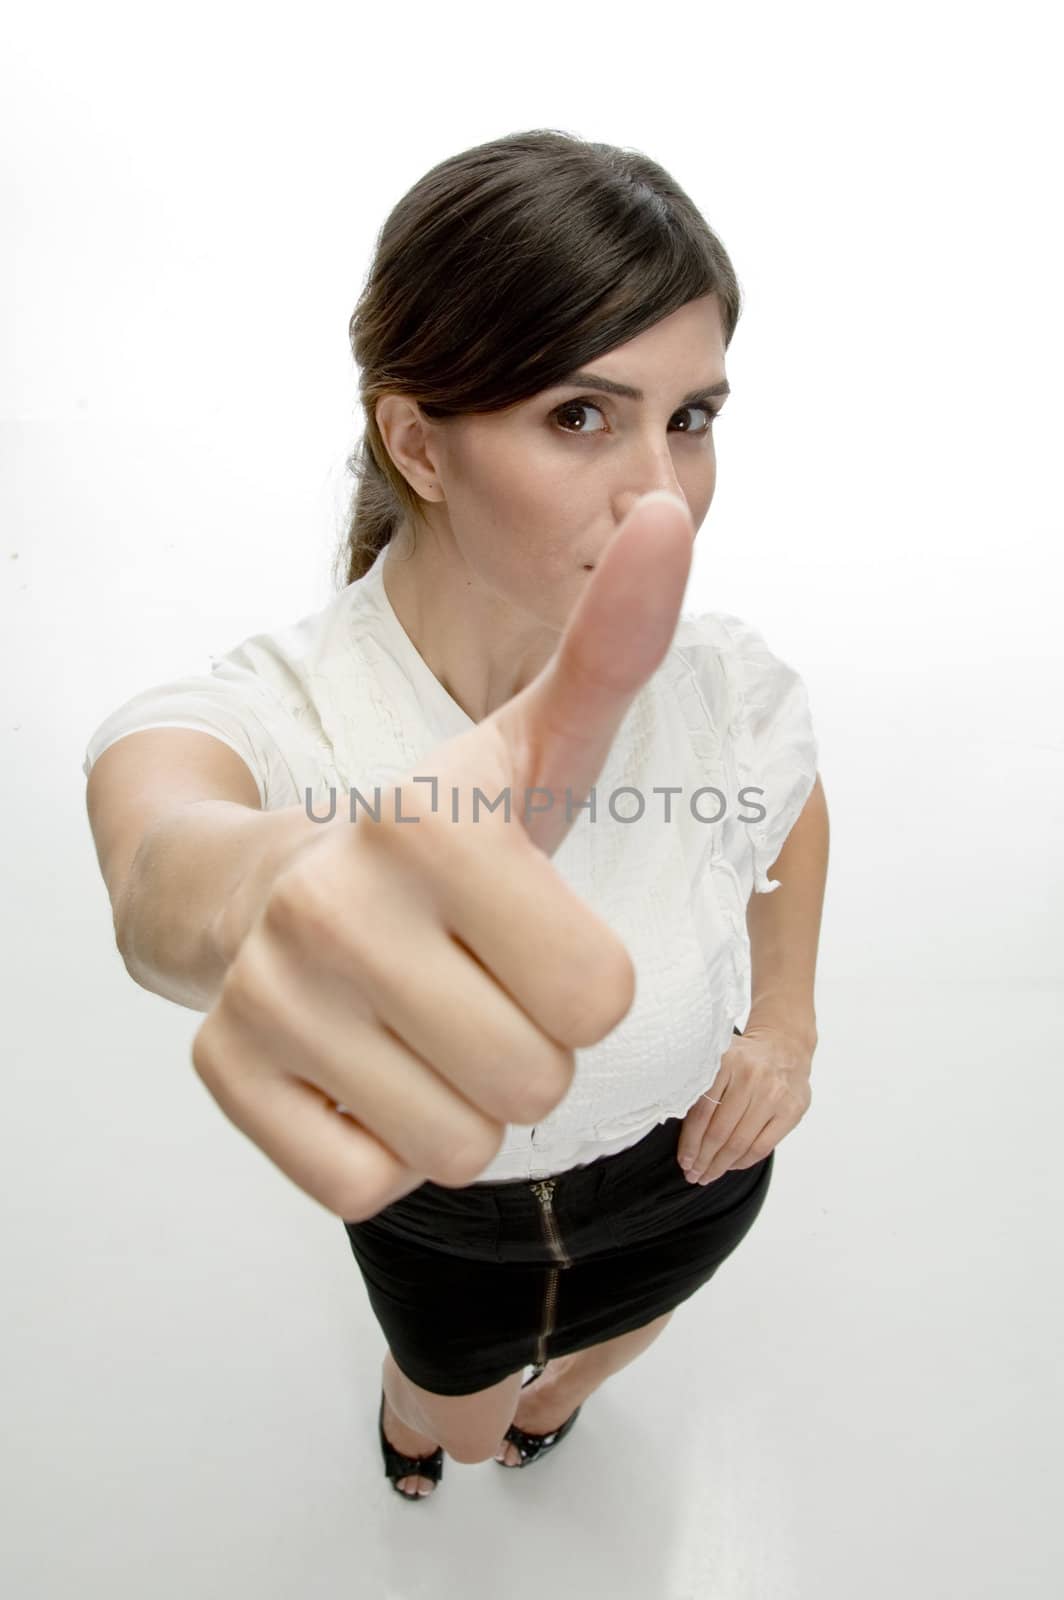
711 412
570 406
577 405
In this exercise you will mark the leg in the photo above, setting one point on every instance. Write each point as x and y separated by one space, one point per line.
613 1354
468 1426
569 1380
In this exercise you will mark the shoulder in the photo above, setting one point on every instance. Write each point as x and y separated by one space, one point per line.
770 728
721 653
725 667
274 653
739 651
721 632
287 670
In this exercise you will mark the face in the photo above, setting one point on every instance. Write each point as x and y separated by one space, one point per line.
525 500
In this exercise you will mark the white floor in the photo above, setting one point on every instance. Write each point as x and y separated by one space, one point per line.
864 1401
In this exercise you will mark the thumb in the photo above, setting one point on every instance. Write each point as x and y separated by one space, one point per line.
559 729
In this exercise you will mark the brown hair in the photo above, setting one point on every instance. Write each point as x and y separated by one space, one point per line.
501 271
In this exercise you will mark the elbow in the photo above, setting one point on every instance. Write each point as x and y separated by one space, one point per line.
125 947
124 926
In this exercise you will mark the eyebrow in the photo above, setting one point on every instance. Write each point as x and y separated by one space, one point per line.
592 381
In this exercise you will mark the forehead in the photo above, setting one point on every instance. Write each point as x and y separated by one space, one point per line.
677 354
693 333
680 353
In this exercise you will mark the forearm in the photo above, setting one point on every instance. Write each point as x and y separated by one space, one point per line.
784 928
195 887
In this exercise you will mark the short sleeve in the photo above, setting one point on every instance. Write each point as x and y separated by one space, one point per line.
776 746
227 703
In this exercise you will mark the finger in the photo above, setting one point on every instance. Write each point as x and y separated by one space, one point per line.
426 1049
507 905
766 1142
734 1147
693 1147
693 1132
558 960
725 1118
560 728
298 1128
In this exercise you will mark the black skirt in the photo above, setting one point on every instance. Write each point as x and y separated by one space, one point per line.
471 1285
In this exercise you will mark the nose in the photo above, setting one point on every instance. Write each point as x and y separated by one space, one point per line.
655 471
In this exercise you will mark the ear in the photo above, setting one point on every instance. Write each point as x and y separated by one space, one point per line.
405 433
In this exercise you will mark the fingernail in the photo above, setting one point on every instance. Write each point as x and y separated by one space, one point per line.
686 1161
693 1177
664 494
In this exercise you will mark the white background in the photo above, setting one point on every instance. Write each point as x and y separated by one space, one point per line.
867 1399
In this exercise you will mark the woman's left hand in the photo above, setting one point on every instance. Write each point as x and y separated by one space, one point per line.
763 1088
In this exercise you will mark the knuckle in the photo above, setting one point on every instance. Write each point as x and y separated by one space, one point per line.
600 1000
283 908
353 1202
540 1089
366 1185
300 904
241 995
306 913
215 1069
463 1158
414 838
204 1056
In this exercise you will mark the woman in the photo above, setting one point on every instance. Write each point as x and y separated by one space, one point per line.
393 1011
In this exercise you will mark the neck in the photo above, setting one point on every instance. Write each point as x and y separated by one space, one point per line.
481 647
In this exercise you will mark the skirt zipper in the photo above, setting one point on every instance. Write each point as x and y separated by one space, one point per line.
544 1193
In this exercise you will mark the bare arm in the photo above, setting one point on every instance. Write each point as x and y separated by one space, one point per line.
187 854
784 927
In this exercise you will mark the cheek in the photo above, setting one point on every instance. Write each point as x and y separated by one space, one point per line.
698 480
538 520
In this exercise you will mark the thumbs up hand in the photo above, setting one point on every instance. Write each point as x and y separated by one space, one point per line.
434 977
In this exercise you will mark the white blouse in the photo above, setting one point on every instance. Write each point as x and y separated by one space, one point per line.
341 699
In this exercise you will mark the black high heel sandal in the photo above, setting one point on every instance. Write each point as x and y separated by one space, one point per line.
533 1446
397 1466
